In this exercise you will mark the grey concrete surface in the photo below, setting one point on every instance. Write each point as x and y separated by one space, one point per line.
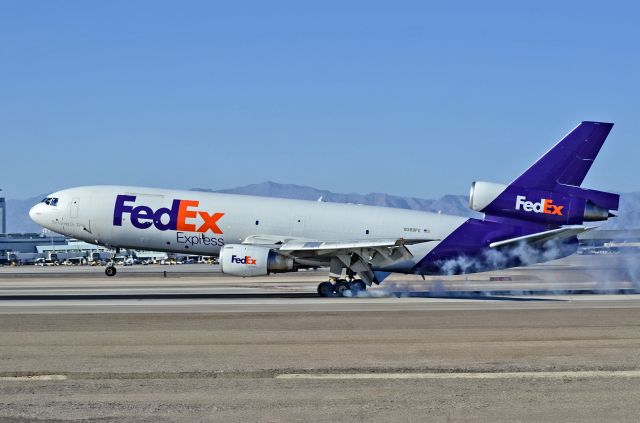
226 349
225 366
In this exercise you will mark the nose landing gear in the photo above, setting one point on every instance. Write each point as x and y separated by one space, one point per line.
110 270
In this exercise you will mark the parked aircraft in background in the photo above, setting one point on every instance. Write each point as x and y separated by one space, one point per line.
535 218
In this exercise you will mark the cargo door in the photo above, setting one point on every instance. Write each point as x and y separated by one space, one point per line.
298 226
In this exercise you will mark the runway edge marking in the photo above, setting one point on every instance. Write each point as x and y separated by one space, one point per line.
470 375
38 378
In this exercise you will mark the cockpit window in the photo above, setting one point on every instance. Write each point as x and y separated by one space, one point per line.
50 201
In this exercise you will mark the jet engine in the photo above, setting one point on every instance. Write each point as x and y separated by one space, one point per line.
483 193
564 205
253 260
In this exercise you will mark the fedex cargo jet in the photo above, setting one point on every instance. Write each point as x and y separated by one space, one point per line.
535 218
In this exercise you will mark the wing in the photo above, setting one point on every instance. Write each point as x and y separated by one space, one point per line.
359 256
293 244
324 246
540 238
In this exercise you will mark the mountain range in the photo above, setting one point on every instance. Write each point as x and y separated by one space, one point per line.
628 216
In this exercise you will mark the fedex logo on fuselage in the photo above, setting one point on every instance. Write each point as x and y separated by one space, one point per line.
181 216
243 260
545 206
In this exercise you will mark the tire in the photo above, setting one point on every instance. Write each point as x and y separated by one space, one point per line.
343 289
110 271
325 289
358 285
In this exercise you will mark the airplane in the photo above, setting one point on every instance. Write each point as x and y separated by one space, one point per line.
535 218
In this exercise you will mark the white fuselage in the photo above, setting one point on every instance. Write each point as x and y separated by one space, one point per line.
202 222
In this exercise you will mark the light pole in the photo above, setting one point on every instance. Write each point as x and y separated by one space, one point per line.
3 228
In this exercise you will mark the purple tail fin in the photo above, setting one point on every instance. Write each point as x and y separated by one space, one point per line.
549 191
568 162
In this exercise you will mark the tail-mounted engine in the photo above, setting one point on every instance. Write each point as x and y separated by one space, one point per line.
568 205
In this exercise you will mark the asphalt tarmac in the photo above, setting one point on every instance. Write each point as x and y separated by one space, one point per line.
548 344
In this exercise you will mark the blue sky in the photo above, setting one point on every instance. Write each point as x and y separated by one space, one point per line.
409 98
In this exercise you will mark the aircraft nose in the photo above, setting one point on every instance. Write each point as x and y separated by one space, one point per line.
35 213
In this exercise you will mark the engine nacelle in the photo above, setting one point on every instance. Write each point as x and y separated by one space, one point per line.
483 193
567 205
253 260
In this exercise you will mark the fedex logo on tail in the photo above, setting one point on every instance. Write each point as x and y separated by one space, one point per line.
243 260
181 216
545 206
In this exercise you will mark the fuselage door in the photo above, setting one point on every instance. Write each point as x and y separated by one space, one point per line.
73 210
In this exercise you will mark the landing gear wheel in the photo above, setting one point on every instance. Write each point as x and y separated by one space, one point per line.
343 289
325 289
358 286
110 271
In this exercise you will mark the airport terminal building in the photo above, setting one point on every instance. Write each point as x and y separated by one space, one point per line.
29 243
30 247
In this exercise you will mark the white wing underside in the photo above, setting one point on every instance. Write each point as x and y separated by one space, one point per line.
292 245
357 255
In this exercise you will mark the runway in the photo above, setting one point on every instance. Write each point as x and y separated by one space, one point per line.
530 346
575 282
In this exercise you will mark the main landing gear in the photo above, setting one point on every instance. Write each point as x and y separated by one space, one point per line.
341 288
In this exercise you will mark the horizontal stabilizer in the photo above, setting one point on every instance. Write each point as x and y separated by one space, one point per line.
540 238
